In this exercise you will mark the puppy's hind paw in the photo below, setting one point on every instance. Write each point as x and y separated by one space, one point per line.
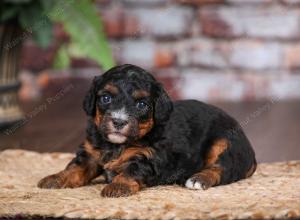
191 184
197 183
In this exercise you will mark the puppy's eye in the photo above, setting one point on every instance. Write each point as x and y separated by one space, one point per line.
141 105
105 99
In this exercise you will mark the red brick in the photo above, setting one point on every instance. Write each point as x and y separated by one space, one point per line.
213 25
291 56
163 58
43 79
112 22
131 26
117 23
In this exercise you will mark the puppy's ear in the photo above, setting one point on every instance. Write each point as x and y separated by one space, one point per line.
89 102
163 105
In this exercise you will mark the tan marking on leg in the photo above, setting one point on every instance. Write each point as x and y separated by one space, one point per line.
88 147
212 173
118 164
208 177
215 151
75 175
251 170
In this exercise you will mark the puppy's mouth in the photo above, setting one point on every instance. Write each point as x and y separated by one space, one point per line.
117 131
116 137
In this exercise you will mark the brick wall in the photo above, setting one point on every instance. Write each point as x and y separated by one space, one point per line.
210 49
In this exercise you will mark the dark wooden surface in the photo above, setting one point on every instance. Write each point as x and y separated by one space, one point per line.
272 126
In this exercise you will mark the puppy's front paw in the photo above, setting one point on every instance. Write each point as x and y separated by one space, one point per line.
198 182
54 181
116 190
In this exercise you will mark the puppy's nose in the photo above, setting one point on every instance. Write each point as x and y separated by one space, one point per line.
119 123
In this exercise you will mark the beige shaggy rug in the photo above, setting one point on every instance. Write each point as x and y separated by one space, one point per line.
273 192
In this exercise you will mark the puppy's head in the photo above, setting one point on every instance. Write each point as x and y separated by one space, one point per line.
126 103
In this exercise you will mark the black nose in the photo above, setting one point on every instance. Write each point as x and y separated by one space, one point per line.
119 123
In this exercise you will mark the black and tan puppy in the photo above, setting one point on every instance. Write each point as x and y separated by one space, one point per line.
137 137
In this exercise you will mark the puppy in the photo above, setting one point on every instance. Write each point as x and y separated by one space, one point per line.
137 137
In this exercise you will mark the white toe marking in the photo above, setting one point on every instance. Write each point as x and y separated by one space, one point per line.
189 184
192 185
197 185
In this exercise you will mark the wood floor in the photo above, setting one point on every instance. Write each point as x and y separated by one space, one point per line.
57 123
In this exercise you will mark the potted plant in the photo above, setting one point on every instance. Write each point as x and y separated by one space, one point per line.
20 19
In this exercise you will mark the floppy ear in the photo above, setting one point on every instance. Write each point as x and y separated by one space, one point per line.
163 105
89 102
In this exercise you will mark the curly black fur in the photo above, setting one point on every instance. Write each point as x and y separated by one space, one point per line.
188 139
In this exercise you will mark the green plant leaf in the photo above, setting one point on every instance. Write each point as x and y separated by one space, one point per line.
46 5
8 13
62 59
42 34
81 21
29 15
17 1
33 18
